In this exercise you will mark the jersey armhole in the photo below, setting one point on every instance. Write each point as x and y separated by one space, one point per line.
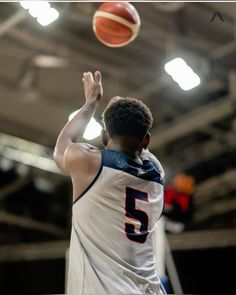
163 206
92 182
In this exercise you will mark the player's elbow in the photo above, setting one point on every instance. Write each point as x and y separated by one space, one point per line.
58 157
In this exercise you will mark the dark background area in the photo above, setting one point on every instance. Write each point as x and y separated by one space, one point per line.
33 277
210 271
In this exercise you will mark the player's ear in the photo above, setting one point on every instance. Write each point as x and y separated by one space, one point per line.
146 140
105 137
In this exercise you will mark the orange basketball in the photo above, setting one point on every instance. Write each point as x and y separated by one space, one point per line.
116 24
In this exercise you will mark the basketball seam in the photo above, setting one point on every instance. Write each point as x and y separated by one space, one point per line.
133 27
114 45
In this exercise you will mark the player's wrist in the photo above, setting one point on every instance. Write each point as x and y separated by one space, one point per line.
93 99
91 105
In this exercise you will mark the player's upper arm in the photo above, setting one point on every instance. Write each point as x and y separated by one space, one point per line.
76 156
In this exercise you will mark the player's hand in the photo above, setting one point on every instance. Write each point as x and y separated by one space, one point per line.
92 86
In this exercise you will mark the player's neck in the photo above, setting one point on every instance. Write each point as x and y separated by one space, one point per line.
125 147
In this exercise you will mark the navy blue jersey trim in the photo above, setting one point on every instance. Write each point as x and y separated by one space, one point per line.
91 184
120 161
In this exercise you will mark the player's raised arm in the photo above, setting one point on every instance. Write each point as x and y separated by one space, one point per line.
73 131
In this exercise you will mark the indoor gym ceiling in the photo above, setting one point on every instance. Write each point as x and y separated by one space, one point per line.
194 132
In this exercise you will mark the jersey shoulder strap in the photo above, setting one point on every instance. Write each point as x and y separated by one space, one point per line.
120 161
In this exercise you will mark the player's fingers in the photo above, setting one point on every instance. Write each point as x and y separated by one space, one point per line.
98 77
89 76
86 75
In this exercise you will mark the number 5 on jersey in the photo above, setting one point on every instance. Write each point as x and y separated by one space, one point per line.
130 211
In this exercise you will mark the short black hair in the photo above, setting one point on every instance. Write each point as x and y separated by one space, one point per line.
127 117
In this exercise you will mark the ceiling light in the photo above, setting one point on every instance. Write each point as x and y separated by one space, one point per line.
49 17
92 130
182 74
41 10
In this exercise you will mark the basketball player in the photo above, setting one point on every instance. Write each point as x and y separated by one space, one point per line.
117 198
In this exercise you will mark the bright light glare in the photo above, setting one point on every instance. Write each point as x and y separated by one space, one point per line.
182 74
38 8
190 83
41 10
49 17
26 4
173 65
40 5
93 129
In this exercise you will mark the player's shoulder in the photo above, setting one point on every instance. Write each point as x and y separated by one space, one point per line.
146 154
81 148
78 154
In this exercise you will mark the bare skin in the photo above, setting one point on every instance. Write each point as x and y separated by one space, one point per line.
80 160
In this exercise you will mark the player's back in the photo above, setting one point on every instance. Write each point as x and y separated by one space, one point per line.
113 229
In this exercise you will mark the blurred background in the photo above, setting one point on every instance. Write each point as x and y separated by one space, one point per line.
194 134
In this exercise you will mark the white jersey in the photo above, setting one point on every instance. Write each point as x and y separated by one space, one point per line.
113 229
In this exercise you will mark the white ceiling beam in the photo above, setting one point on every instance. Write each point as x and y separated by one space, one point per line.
191 122
26 222
34 251
215 186
202 239
214 209
12 21
28 153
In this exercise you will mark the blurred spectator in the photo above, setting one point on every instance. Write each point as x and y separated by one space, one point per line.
178 210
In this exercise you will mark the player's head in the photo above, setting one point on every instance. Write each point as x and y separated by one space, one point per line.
127 118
